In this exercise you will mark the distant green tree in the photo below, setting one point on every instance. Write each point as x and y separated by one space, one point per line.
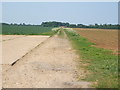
72 25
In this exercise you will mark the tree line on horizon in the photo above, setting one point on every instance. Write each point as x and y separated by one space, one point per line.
62 24
101 26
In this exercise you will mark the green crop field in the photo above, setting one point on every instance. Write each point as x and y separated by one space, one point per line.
25 30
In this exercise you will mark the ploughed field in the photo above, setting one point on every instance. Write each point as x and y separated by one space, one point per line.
104 38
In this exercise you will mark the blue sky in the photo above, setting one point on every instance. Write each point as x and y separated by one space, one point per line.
72 12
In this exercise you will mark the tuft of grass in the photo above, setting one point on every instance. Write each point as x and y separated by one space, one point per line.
49 33
102 64
61 33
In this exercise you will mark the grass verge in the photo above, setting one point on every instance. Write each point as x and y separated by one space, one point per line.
101 63
49 33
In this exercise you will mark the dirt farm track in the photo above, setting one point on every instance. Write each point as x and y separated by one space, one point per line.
42 62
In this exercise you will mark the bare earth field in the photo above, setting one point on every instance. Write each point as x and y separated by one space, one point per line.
104 38
15 48
51 64
10 37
